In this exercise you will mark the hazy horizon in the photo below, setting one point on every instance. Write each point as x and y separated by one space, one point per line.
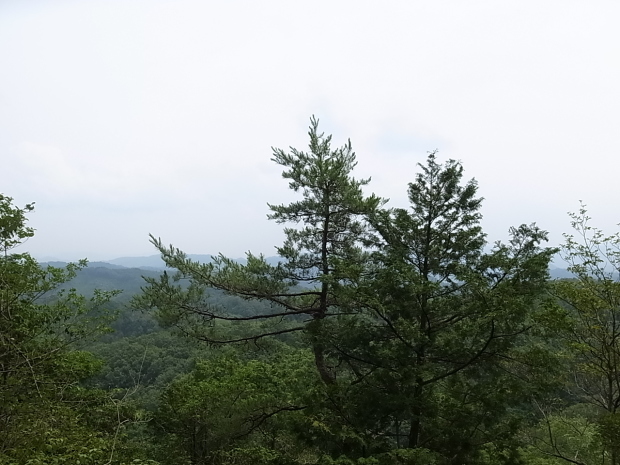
124 118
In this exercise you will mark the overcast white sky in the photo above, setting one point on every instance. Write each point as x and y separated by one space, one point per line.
123 118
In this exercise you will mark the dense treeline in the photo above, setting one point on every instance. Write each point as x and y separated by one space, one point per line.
384 336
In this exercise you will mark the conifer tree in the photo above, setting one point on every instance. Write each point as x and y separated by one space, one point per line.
417 331
322 253
442 317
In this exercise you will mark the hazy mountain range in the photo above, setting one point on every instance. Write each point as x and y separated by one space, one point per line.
155 263
151 262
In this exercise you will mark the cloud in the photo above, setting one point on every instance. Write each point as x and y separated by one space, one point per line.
149 112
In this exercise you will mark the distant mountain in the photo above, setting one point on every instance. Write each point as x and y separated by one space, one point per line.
110 276
560 273
154 262
128 280
61 264
104 265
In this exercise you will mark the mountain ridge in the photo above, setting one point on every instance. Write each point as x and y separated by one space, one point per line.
155 263
151 262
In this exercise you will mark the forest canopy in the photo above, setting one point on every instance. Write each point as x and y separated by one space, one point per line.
384 335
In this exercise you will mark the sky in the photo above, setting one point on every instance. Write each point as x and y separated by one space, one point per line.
121 118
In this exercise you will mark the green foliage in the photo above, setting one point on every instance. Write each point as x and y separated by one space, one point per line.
326 248
385 336
321 255
13 229
568 435
419 456
46 416
609 432
437 357
428 347
591 334
144 365
232 411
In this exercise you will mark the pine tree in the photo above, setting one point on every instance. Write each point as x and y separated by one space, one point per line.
322 254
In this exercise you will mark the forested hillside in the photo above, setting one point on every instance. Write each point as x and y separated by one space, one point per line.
380 336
